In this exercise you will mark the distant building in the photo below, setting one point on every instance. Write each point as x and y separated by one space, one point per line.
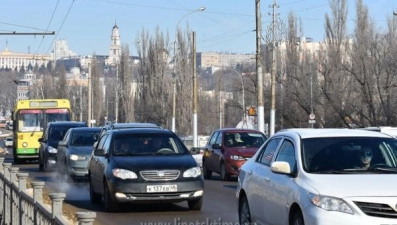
23 85
115 47
214 59
16 61
61 50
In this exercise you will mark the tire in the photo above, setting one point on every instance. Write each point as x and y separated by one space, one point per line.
224 175
297 219
109 202
207 173
45 165
41 166
95 198
195 204
16 160
244 214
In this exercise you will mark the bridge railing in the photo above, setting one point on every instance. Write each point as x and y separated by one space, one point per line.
19 206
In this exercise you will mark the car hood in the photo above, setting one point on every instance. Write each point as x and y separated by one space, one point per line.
177 162
53 144
242 151
350 185
81 150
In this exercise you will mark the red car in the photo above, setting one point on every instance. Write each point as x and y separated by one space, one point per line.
228 149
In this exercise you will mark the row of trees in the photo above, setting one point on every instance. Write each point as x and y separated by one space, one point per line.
350 82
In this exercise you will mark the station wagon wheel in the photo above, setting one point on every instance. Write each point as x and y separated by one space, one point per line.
244 214
94 197
109 202
207 173
224 175
195 204
41 166
298 218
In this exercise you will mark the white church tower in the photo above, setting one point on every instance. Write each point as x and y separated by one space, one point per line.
115 47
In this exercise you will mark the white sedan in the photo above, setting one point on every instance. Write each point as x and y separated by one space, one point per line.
8 142
320 177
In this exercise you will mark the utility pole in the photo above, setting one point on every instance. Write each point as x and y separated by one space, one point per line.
195 103
259 74
81 102
89 96
273 73
116 110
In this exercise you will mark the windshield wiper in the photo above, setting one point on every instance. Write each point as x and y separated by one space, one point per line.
384 169
329 172
378 169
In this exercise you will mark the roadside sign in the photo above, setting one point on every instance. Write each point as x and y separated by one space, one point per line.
312 121
252 111
312 116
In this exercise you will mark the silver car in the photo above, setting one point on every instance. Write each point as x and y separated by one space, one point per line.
320 177
74 151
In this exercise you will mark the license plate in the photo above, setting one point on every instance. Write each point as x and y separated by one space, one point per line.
162 188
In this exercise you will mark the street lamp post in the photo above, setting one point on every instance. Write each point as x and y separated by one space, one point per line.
174 73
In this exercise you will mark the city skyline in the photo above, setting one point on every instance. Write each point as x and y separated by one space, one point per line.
87 25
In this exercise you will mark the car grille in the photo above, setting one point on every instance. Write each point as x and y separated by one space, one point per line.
377 209
160 175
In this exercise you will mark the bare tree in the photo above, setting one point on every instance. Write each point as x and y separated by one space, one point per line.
97 93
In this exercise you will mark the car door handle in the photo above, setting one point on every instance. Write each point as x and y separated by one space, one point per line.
267 179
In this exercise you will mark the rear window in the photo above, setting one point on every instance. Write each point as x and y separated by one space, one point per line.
9 139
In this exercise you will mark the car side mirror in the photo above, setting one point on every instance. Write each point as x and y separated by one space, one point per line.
62 143
41 139
95 144
195 151
281 167
216 146
100 152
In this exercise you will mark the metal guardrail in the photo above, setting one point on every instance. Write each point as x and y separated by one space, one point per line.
19 207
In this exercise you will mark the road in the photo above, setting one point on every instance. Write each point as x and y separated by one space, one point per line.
219 207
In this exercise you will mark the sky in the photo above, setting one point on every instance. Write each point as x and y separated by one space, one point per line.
224 26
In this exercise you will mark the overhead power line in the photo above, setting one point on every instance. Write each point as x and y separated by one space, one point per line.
27 33
48 25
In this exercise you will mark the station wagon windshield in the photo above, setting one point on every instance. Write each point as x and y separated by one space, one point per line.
149 144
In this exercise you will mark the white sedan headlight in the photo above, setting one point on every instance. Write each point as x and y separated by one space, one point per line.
330 203
236 157
52 149
124 174
192 172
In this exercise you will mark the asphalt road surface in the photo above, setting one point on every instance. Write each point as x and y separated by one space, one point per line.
219 207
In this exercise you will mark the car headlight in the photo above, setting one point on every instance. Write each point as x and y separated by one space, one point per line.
192 172
76 157
52 149
236 157
330 203
124 174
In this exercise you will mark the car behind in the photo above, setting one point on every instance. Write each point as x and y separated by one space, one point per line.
8 142
320 177
54 132
228 149
74 151
128 165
